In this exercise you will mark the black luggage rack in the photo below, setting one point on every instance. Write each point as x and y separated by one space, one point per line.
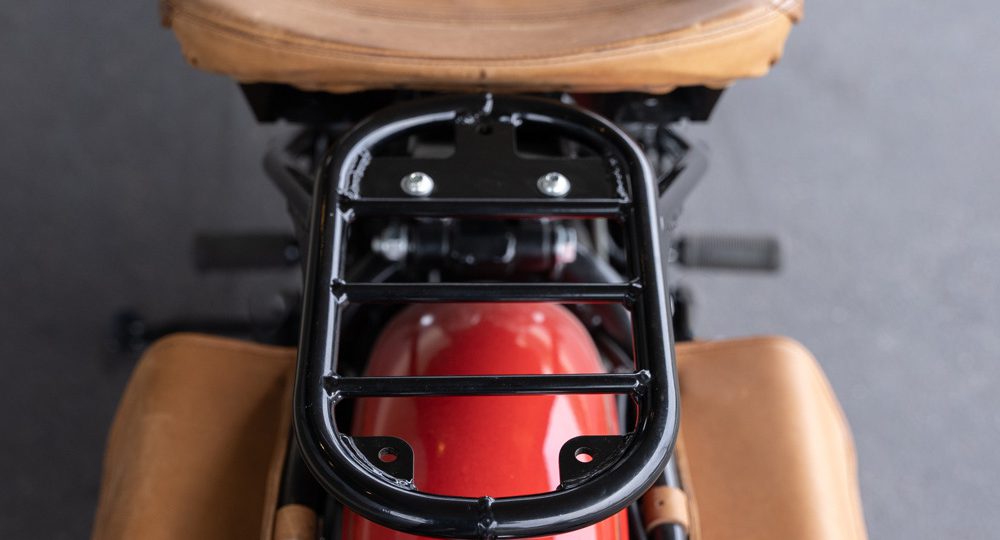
486 177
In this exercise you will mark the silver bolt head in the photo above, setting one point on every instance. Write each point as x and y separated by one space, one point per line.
553 184
392 244
417 184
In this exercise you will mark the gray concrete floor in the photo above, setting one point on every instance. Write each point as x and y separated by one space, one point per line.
871 151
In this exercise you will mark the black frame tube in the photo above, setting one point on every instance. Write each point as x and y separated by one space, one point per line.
409 293
489 385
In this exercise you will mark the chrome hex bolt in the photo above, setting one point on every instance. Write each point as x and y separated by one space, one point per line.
417 184
553 184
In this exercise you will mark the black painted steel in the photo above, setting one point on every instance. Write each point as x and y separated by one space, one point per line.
507 208
391 455
590 293
581 457
489 385
339 201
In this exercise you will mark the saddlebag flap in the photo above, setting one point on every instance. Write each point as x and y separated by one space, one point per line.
764 450
197 442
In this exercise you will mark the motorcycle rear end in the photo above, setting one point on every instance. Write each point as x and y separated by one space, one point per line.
484 341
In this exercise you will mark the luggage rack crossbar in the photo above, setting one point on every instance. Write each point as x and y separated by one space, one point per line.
582 293
511 208
488 385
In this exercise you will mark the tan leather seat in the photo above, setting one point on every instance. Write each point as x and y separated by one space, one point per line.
502 45
764 450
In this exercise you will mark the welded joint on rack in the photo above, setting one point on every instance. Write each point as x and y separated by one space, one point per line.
632 293
642 379
338 289
333 394
344 210
487 523
348 215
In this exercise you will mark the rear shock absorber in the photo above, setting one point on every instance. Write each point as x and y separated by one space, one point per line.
481 249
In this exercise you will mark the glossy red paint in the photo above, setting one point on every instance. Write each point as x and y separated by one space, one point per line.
476 446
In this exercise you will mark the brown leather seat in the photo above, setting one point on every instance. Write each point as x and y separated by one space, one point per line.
764 450
503 45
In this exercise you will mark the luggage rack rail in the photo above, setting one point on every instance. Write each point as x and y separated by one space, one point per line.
618 184
567 293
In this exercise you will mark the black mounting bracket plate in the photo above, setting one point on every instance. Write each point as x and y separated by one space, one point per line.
582 457
391 455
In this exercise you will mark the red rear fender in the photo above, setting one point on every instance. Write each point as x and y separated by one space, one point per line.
476 446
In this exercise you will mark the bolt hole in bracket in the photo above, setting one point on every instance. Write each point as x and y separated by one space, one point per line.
584 456
488 176
579 458
390 455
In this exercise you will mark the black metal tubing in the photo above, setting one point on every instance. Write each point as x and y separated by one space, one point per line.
677 184
293 183
508 208
488 385
398 504
394 293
